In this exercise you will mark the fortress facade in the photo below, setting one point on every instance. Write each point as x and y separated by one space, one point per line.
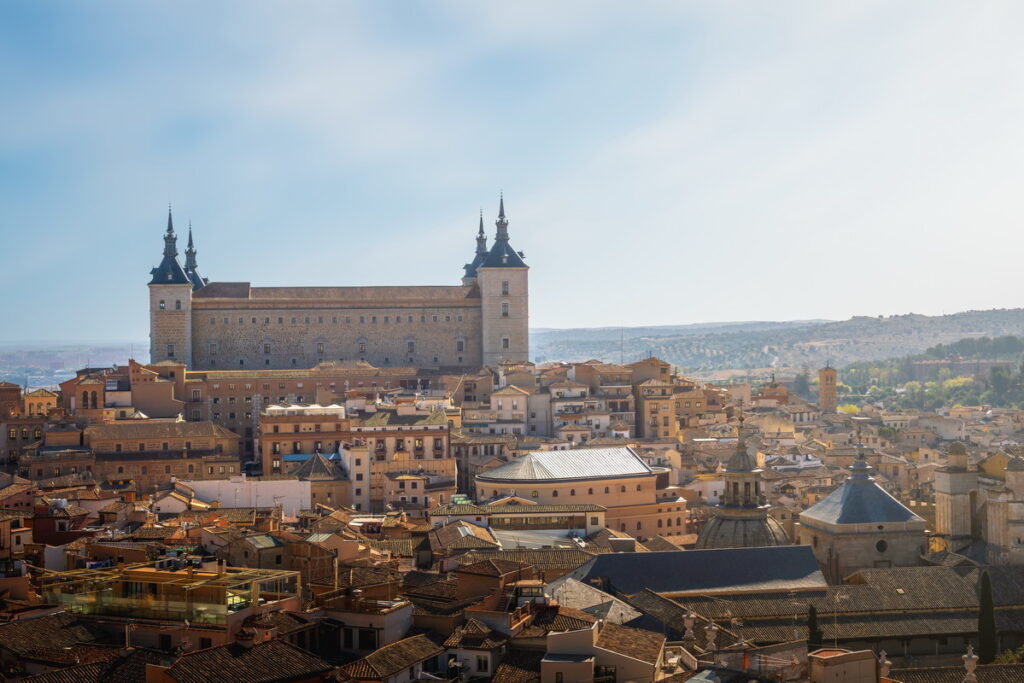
233 325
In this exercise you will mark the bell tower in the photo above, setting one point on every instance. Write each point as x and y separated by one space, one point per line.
827 399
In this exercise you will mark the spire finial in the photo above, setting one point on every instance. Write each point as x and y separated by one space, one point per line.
502 222
170 220
481 231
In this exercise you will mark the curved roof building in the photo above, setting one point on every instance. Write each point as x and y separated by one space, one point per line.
741 519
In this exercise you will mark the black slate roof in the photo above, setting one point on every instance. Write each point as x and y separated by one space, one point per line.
780 568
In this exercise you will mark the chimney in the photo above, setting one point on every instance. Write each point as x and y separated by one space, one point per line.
246 638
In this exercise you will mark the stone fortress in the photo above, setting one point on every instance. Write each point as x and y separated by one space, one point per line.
233 325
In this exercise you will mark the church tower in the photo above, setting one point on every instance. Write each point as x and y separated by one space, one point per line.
504 299
170 305
827 400
955 485
478 258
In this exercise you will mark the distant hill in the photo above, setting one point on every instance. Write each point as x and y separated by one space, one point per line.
709 347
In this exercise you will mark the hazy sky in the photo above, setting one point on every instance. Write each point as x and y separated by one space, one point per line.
662 162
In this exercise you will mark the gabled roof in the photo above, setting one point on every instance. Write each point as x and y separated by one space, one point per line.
271 660
632 642
394 658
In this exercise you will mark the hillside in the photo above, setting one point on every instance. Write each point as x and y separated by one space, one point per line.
710 347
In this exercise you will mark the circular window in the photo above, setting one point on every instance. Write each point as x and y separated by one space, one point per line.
881 546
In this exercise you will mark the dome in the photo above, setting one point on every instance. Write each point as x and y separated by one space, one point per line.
732 532
859 500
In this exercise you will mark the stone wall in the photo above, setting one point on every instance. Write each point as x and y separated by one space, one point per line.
289 337
170 322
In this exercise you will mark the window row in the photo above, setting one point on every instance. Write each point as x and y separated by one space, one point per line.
336 320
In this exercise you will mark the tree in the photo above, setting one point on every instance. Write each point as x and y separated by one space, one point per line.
986 622
999 378
802 384
814 634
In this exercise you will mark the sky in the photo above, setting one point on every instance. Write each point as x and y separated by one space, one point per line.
662 162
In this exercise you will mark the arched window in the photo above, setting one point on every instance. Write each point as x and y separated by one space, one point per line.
163 304
639 526
92 398
534 494
554 494
572 492
638 487
679 521
590 492
622 527
622 489
669 521
177 305
607 490
85 400
659 523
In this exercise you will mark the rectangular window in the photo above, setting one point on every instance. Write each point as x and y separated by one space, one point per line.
170 350
320 347
266 348
504 288
505 343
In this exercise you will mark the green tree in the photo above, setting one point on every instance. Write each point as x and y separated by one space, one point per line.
814 634
802 384
986 622
999 378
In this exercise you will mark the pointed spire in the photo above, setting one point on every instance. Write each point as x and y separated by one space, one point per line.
190 253
502 222
169 272
481 238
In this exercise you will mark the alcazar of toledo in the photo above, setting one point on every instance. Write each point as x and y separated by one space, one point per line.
233 325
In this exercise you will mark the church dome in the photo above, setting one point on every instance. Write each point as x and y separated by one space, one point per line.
737 532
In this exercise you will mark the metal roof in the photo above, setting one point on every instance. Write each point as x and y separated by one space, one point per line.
589 463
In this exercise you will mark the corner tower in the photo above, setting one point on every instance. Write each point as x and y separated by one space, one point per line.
191 267
478 258
504 299
170 305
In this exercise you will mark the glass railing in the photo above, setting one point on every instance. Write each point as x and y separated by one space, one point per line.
144 608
